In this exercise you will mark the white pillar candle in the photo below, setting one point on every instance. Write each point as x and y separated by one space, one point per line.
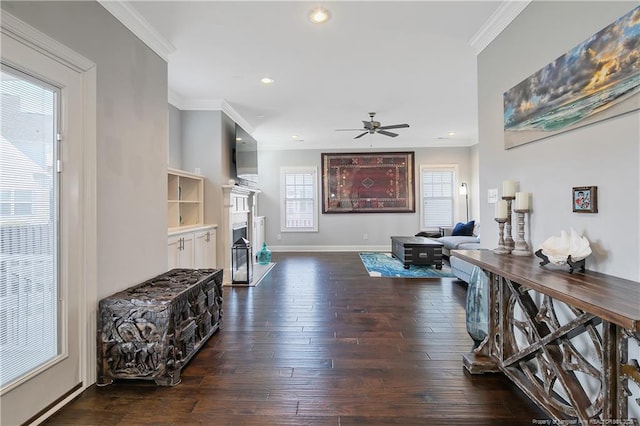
522 201
509 188
501 209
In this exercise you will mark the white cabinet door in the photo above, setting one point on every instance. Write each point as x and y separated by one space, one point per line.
188 249
180 250
205 248
175 243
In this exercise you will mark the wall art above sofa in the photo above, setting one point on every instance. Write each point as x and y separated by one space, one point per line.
379 182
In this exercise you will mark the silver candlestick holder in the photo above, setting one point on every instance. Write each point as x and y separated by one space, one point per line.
508 240
501 249
521 247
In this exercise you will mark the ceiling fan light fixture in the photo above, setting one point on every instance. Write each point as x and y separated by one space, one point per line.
319 15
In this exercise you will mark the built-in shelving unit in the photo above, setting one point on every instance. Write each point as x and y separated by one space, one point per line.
191 243
185 196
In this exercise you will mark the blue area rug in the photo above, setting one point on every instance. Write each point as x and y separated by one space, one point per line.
384 265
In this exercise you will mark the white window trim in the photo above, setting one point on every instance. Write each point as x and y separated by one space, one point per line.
456 194
299 169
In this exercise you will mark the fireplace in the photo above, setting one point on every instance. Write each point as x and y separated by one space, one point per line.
241 257
237 222
239 230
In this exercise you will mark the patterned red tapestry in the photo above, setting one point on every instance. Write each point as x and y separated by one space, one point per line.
378 182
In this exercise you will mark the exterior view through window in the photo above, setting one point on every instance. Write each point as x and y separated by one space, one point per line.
28 225
437 197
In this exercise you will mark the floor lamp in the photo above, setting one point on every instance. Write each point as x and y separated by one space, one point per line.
463 191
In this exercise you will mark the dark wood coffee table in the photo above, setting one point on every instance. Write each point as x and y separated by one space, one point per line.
417 251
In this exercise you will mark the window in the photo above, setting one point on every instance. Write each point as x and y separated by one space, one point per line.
437 193
17 202
299 195
28 225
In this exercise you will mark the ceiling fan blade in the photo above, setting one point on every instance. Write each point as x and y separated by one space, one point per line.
348 130
394 126
361 135
383 132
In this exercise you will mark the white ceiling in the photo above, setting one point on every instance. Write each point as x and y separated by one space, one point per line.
410 62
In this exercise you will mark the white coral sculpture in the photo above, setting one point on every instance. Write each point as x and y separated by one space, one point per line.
558 249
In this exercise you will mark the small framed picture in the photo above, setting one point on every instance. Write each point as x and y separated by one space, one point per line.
585 199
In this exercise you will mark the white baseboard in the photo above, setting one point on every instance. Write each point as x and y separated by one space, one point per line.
382 248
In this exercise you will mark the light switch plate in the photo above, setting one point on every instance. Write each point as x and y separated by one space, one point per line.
492 195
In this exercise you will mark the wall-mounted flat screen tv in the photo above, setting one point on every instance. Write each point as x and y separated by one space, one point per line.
245 154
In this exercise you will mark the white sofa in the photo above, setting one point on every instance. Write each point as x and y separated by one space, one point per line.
460 268
452 242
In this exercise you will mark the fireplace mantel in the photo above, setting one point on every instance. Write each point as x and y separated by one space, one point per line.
240 205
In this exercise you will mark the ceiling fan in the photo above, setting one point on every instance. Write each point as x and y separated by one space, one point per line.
373 126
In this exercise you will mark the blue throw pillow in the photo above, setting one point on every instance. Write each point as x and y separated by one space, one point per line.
463 229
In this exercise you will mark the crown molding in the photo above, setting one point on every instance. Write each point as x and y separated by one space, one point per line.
176 100
131 18
209 105
28 35
497 22
235 116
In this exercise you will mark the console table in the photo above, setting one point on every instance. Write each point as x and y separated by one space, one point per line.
562 338
150 331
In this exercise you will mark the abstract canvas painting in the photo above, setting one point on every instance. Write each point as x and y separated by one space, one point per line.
380 182
594 81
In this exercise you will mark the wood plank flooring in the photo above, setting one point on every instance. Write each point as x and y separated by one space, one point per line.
319 342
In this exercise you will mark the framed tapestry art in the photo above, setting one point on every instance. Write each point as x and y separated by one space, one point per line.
596 80
379 182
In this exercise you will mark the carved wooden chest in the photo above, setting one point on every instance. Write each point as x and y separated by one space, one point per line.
150 331
417 251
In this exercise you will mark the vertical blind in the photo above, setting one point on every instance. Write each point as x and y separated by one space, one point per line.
437 198
299 199
28 225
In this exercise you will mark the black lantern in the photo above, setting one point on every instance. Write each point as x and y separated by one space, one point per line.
241 262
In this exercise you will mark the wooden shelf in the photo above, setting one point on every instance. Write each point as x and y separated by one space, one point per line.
185 199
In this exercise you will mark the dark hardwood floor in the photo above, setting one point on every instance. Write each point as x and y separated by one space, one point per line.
319 342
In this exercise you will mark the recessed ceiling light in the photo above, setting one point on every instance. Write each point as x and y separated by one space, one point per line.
294 137
238 139
451 133
319 15
267 80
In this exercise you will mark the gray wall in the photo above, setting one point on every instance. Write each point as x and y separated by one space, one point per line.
201 132
345 231
605 154
131 137
474 185
175 138
203 140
